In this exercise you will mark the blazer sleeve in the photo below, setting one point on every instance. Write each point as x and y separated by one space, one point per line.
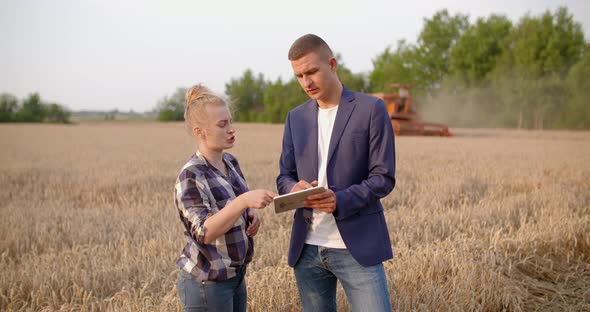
288 169
381 179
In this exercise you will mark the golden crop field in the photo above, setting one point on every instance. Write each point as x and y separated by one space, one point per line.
489 220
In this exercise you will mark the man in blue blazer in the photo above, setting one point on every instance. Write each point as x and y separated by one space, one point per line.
342 140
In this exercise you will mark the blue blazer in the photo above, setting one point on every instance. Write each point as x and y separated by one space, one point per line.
361 171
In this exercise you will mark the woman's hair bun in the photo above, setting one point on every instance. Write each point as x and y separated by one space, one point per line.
194 93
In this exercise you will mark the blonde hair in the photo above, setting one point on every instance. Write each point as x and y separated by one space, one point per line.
196 99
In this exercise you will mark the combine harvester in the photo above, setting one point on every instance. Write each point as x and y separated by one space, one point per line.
403 116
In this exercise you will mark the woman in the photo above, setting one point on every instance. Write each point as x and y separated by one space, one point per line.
216 209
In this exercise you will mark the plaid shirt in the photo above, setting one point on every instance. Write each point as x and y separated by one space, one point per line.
201 191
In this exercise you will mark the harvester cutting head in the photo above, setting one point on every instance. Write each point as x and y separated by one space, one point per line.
403 116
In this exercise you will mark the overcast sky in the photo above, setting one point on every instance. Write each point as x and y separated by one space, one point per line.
127 55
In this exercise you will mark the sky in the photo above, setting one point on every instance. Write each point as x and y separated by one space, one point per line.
128 55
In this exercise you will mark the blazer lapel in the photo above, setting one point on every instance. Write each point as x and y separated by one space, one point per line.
311 148
345 108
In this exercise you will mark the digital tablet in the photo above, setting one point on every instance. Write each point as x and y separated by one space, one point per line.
294 200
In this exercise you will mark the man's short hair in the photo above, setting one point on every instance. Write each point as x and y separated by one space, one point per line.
307 44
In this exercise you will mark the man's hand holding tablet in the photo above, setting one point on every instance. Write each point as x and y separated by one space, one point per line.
295 199
307 194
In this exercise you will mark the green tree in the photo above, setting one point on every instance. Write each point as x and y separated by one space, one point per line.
438 36
172 108
476 52
578 82
32 109
247 94
8 107
530 76
279 98
356 82
465 97
423 65
548 44
57 114
399 66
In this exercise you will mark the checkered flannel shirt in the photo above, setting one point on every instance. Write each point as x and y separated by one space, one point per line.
201 191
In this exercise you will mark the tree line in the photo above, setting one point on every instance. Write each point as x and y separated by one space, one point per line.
493 73
255 99
31 109
533 74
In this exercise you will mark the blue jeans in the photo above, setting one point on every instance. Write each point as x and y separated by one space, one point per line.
228 295
318 270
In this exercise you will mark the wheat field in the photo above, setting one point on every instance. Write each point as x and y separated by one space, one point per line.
489 220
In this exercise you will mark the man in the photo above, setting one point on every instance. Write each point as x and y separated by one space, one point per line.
342 140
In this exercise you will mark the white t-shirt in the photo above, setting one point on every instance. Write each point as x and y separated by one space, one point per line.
323 230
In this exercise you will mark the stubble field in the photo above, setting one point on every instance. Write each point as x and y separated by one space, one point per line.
490 220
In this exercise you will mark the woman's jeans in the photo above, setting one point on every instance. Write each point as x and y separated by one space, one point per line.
228 295
318 270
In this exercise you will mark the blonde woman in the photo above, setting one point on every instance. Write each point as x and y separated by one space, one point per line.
216 209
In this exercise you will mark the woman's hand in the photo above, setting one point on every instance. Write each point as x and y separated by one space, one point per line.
257 199
254 223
